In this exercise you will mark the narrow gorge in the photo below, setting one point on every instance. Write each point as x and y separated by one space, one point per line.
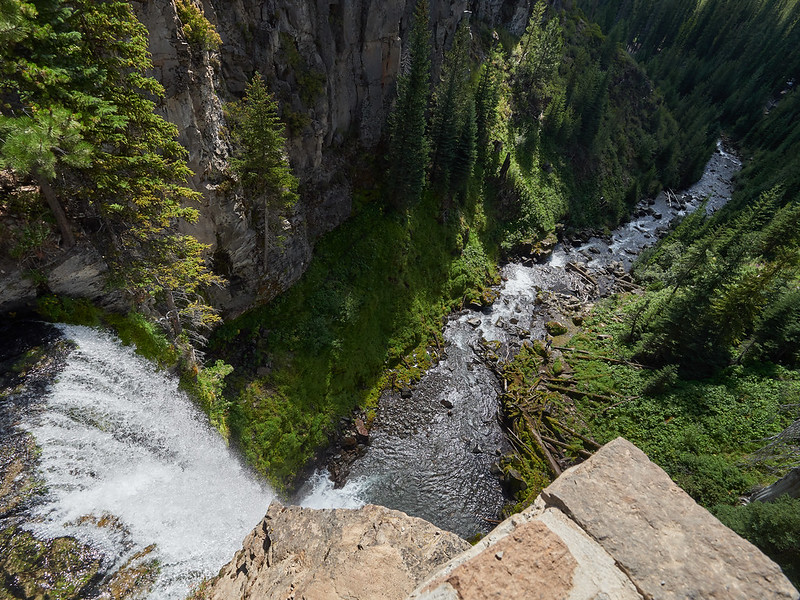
420 299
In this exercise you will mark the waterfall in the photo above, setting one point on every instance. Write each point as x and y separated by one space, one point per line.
118 438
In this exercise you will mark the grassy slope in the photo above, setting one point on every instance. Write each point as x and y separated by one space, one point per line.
372 299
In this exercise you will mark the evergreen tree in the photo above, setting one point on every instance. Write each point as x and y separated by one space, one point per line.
260 159
537 58
486 98
451 99
465 153
78 116
408 143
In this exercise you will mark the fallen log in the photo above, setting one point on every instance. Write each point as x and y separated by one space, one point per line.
555 442
582 272
566 429
573 392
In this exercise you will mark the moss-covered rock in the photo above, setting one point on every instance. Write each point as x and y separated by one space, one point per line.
555 328
61 568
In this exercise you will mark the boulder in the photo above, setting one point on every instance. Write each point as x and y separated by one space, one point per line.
332 554
615 526
669 546
536 555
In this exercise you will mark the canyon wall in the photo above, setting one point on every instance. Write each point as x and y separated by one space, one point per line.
332 65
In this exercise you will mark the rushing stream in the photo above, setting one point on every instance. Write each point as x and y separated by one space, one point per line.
118 439
432 452
128 462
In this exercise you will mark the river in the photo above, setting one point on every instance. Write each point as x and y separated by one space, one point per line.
127 465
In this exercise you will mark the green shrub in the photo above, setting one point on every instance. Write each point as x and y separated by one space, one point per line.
772 526
207 388
198 30
149 339
74 311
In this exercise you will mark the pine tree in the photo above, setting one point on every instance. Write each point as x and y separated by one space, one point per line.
408 143
465 153
79 116
486 98
537 58
451 100
260 159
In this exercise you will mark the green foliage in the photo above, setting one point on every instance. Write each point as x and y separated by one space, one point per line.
78 111
75 311
196 27
260 160
33 144
772 526
699 431
372 299
729 283
535 61
149 339
207 387
453 127
718 63
408 142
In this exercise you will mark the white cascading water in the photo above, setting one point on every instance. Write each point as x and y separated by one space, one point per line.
119 438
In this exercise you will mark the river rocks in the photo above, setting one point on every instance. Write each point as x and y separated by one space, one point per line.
555 328
615 526
370 553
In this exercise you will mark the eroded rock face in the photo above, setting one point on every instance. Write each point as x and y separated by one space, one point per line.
333 66
370 553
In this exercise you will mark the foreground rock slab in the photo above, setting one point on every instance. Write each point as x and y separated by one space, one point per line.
669 546
614 527
365 554
539 554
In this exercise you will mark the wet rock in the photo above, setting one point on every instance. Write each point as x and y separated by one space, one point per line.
657 215
555 328
349 442
369 553
446 403
362 433
514 481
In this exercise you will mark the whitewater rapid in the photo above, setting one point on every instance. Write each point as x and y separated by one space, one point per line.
118 438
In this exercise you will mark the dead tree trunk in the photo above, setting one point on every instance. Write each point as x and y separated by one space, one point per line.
67 237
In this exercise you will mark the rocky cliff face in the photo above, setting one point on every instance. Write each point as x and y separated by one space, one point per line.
615 526
340 554
333 67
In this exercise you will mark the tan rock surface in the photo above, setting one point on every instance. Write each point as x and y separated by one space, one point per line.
668 545
537 555
370 553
